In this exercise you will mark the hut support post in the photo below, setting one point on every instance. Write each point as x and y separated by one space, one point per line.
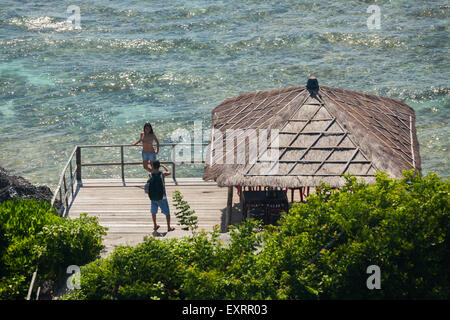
229 206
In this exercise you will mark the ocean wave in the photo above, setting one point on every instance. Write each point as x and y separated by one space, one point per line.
439 11
361 40
416 95
147 44
43 23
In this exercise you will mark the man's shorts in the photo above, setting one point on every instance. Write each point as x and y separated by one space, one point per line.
148 156
163 204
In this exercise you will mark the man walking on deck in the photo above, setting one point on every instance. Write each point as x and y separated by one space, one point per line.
157 194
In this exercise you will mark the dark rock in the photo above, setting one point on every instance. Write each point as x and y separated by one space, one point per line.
12 187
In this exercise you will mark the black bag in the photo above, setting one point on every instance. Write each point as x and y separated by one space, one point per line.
156 187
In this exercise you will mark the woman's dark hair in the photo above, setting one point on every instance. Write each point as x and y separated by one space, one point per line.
148 125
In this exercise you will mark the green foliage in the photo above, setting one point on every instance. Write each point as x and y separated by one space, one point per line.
32 235
68 242
320 250
185 215
197 267
400 225
148 271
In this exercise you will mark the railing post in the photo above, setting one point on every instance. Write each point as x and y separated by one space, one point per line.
71 176
78 159
172 153
30 289
65 191
121 163
60 200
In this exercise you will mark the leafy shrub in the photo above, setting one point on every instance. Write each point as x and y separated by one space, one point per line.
163 269
145 271
402 226
320 250
32 235
68 242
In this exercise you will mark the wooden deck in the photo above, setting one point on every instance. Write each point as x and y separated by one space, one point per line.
125 209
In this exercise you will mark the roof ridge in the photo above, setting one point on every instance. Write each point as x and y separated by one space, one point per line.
258 93
369 95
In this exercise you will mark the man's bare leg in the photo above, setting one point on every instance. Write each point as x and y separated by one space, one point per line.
169 228
155 226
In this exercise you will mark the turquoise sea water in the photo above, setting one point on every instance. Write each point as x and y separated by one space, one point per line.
172 62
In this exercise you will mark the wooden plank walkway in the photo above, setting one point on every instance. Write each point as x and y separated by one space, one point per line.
125 209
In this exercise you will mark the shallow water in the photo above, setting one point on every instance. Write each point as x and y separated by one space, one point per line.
172 62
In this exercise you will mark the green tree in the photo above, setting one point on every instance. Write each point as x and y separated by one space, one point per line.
185 215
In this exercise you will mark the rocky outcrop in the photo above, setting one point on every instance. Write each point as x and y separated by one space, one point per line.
12 187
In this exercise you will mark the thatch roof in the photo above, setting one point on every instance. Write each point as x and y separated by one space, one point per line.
321 137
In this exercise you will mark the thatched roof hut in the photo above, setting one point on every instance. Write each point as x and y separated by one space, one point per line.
322 134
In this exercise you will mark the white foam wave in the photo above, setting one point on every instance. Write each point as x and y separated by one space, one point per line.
44 23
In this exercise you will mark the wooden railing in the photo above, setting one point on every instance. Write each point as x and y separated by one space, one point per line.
65 189
63 198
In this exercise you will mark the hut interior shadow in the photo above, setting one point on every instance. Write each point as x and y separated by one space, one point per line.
236 216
